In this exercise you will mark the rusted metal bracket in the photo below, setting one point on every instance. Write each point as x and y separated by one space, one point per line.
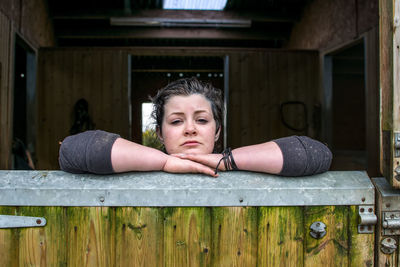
368 219
11 221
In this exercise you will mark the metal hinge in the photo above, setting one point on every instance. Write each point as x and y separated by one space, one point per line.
391 222
368 219
11 221
397 145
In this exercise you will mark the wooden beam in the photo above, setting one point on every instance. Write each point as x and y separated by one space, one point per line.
182 14
168 33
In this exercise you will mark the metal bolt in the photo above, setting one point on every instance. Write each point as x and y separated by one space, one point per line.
101 198
362 210
241 200
363 199
38 221
370 210
387 205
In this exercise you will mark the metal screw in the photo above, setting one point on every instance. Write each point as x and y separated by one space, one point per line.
370 210
362 210
363 199
241 200
38 221
101 198
387 205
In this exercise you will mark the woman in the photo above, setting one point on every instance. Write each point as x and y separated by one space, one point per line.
188 115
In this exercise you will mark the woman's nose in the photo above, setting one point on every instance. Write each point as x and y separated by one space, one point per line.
190 128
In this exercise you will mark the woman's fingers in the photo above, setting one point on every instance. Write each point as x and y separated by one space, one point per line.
210 160
178 165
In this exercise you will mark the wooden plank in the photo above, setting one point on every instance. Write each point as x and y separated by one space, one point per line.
234 236
333 248
139 236
43 246
187 236
361 245
280 236
91 238
9 242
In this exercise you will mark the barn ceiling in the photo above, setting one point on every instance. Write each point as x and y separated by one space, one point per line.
243 23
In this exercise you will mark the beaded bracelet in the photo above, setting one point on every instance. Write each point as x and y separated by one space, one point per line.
229 162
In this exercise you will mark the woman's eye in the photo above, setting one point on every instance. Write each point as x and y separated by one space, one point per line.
175 122
203 121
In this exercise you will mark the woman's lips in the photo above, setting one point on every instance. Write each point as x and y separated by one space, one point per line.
190 143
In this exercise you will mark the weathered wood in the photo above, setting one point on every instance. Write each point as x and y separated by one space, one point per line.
90 235
139 236
43 246
333 248
389 12
187 236
9 242
361 245
280 236
234 236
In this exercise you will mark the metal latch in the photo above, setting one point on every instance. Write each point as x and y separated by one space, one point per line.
11 221
367 219
391 223
397 145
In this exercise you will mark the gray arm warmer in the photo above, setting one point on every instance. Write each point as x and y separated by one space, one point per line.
89 151
303 156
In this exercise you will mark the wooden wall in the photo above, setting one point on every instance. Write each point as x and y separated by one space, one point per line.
65 76
260 80
6 41
326 24
29 20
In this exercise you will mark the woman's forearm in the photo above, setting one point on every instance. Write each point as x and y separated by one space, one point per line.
265 157
130 156
288 156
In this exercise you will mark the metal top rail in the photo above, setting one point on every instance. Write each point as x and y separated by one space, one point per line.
159 189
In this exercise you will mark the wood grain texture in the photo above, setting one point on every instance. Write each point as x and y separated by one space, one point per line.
280 236
361 245
187 236
139 236
9 243
234 236
333 248
90 235
6 50
43 246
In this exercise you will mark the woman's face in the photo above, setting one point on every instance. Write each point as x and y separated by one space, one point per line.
188 125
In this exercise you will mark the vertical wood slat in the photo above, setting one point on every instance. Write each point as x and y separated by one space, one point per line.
139 236
91 236
333 248
187 236
6 53
43 246
9 241
234 236
280 236
389 13
361 245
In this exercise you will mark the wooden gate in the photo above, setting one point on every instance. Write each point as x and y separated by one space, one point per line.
159 219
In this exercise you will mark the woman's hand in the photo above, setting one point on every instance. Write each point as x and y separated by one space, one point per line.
176 164
210 160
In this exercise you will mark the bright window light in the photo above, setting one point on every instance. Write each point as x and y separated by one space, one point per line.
147 121
195 4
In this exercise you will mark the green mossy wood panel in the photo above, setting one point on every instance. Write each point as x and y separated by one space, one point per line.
139 236
90 236
234 236
8 241
187 236
361 245
43 246
280 236
333 248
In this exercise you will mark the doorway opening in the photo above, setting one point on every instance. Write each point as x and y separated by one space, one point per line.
151 73
345 87
24 119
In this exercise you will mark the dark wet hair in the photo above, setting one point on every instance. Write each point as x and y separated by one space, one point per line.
187 87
